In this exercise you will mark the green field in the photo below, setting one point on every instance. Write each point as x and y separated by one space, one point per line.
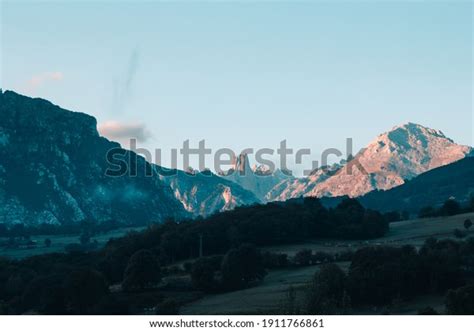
59 242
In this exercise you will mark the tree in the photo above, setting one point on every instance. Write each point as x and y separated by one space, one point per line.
241 266
327 294
467 224
460 301
378 275
143 271
84 288
303 257
426 212
450 207
47 242
45 294
459 233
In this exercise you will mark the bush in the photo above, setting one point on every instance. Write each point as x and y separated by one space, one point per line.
143 271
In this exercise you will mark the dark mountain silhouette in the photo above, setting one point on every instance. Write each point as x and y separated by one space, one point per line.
455 180
52 170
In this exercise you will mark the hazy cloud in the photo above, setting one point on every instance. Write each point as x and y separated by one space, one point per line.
123 132
39 80
123 87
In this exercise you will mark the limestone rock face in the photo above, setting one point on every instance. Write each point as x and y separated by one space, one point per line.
257 179
204 193
52 170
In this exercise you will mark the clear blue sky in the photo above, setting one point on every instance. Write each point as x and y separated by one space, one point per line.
248 74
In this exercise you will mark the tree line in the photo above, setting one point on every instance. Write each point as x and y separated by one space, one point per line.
385 276
80 282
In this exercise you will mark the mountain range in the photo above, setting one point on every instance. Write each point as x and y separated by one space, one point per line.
53 164
258 179
52 170
205 193
388 161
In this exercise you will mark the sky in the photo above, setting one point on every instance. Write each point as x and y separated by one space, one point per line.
246 74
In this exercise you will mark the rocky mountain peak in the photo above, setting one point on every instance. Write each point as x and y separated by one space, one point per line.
242 164
399 154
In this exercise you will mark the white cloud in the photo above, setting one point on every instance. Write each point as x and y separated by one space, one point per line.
123 132
39 80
